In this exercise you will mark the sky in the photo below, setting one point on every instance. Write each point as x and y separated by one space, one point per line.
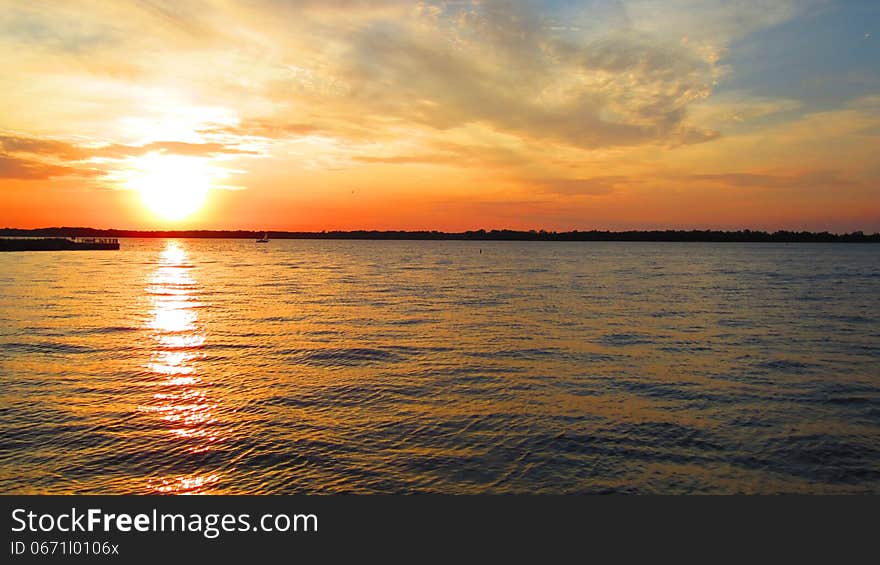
457 115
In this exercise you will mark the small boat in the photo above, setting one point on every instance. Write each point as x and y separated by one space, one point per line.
264 239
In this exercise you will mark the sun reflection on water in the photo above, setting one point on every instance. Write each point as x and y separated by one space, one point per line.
193 484
182 405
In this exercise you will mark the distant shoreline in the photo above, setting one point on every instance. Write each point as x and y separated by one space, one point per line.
707 236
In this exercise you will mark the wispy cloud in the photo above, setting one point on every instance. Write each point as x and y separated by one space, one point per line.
595 186
804 180
55 148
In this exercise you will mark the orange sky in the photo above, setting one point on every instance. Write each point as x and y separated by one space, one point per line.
342 114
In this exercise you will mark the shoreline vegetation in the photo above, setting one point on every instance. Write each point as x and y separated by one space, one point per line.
477 235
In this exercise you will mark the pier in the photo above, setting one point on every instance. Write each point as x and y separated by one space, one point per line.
58 243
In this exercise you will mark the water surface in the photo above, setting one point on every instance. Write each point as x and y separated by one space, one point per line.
222 366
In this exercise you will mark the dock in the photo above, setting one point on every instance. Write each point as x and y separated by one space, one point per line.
58 243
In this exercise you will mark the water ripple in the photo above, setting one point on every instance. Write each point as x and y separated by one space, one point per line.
199 366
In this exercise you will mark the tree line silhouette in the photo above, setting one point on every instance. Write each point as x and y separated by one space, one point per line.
477 235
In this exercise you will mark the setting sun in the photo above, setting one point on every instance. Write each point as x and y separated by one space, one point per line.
172 186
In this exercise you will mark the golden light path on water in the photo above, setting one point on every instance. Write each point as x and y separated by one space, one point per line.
182 402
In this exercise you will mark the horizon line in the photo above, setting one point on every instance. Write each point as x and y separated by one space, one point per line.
659 235
435 230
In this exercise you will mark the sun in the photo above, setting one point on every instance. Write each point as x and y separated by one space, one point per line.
172 186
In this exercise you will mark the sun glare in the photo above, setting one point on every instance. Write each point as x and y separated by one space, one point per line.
171 186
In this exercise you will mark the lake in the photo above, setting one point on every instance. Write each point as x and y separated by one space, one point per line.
321 366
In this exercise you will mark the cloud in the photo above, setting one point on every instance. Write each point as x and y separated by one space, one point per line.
414 159
33 158
806 179
184 148
63 33
589 75
69 151
595 186
267 128
12 167
183 16
508 69
718 21
40 146
453 154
